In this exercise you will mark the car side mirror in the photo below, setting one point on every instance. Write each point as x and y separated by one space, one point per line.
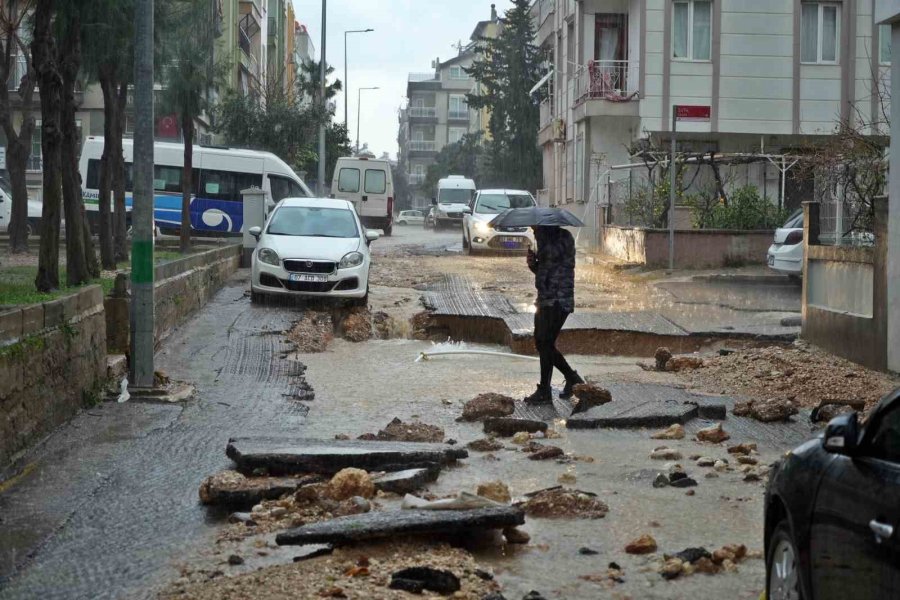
371 236
255 232
467 210
842 435
434 201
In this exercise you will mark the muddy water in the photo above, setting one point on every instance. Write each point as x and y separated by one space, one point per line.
380 380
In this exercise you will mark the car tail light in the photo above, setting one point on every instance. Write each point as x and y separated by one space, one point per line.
794 237
390 206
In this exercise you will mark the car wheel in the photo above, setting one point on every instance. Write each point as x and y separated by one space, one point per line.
388 230
401 222
782 569
465 242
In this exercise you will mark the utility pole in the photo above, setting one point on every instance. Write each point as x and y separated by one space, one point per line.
322 69
142 317
672 193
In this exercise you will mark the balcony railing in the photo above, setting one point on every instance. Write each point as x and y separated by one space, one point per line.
613 80
421 146
34 163
423 111
458 114
416 178
546 112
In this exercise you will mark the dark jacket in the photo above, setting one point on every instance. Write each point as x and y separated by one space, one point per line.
554 268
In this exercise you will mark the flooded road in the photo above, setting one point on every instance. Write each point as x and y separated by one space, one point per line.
107 507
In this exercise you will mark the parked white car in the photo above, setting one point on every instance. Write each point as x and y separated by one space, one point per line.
786 253
312 247
479 235
411 217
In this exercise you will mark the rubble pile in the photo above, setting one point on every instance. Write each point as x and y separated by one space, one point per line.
357 325
802 374
487 444
700 560
590 395
488 405
767 411
311 333
662 356
420 325
495 490
676 364
562 502
713 435
398 431
673 432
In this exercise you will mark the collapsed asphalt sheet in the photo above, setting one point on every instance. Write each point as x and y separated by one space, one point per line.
455 295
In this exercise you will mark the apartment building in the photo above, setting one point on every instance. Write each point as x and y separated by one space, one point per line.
773 74
437 112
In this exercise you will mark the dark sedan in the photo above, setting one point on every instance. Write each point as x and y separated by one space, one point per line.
832 506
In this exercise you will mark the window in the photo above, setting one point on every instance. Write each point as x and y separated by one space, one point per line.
885 443
494 204
93 176
376 181
884 44
167 179
459 108
457 72
348 180
226 185
419 169
282 187
313 222
819 30
455 134
692 27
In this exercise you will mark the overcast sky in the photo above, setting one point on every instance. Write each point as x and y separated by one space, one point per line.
408 35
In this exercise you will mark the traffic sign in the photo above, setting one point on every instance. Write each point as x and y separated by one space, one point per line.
686 112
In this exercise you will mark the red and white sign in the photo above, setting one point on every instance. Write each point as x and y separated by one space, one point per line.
685 112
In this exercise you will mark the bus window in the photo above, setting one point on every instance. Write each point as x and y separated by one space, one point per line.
280 187
93 176
226 185
375 181
348 180
167 179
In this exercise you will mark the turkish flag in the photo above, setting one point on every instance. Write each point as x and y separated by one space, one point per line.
167 126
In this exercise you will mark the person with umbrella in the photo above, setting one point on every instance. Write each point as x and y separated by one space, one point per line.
553 266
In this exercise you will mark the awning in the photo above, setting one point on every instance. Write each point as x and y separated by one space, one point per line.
543 80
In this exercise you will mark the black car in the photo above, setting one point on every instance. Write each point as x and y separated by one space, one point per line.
832 506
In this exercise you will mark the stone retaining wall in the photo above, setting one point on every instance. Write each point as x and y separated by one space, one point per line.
694 248
52 363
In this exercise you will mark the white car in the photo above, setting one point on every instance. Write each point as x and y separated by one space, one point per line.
786 253
478 235
411 217
312 247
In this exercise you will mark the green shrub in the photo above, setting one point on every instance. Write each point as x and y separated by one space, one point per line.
745 209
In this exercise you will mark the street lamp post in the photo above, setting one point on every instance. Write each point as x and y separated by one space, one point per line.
358 105
346 75
320 187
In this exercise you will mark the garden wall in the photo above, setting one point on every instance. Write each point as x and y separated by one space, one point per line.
52 363
694 248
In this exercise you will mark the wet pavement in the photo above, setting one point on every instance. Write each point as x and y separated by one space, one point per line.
107 507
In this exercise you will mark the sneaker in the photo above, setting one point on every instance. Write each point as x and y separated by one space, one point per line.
540 396
570 383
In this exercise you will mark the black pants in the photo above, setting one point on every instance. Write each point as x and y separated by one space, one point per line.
548 322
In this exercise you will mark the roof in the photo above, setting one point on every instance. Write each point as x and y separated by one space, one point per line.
317 203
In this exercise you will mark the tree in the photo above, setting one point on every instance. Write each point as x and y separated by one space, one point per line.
308 82
507 68
108 58
18 143
337 144
187 78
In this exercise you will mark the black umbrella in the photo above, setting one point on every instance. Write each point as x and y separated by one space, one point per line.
530 217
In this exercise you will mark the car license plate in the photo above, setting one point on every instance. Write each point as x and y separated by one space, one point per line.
771 260
511 243
309 278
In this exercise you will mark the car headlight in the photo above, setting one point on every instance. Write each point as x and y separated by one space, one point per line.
268 256
353 259
482 227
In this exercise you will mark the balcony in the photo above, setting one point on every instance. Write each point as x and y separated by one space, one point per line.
421 146
422 112
606 88
546 111
416 178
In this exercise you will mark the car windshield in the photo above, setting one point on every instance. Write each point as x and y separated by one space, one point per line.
309 221
492 204
795 221
455 196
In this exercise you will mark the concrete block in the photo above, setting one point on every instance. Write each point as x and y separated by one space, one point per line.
10 326
53 313
32 319
69 307
89 298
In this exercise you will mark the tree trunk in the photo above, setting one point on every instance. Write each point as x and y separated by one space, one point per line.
107 252
120 225
187 175
77 250
43 52
17 153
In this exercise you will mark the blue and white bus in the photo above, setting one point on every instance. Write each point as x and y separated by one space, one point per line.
219 175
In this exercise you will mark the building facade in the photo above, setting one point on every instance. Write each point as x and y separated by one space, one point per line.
437 112
773 75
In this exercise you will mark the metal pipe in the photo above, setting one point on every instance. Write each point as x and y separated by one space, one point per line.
428 355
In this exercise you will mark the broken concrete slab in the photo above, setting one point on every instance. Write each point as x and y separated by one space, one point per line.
232 489
509 426
373 525
710 407
646 413
280 456
404 482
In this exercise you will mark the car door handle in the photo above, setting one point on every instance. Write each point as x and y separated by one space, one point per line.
365 198
882 531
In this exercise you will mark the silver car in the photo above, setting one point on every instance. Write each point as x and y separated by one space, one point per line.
480 236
